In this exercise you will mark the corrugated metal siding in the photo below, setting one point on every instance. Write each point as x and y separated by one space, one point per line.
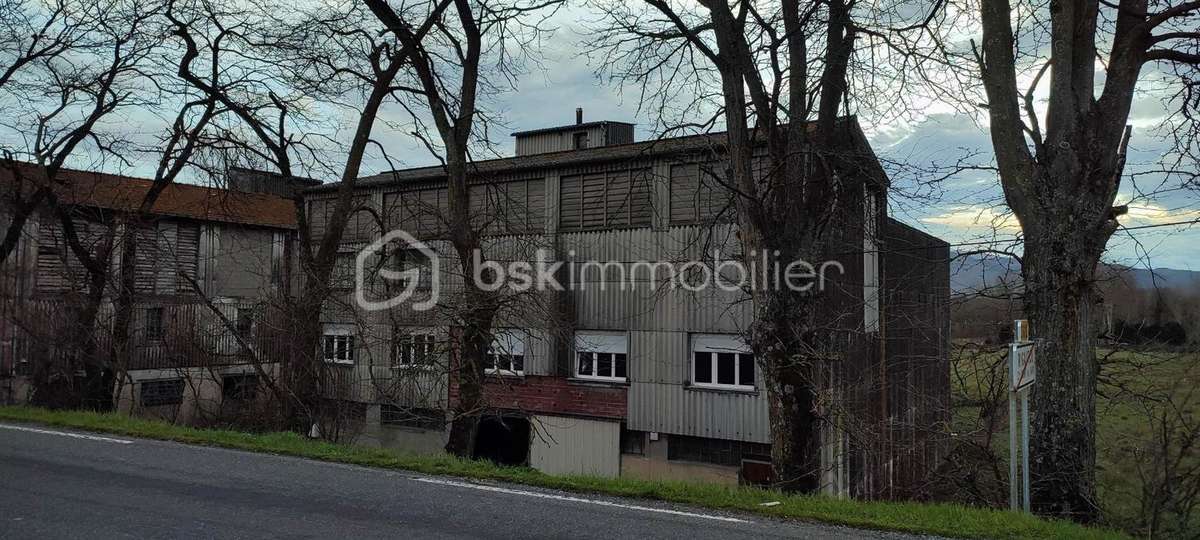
499 206
374 379
916 326
620 134
674 408
563 445
659 399
644 304
557 141
660 319
696 195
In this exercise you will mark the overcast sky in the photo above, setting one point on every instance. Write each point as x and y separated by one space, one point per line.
968 207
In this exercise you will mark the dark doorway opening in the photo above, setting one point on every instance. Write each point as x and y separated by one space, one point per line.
503 440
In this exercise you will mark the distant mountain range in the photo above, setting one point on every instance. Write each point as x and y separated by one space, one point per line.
975 273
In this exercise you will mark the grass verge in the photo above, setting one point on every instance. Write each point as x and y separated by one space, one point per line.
938 519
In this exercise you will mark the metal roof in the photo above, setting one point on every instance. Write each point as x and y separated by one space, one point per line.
570 127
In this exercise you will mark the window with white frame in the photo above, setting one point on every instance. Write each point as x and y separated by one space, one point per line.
412 347
506 355
722 361
601 355
337 345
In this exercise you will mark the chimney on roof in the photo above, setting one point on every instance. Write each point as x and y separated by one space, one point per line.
578 115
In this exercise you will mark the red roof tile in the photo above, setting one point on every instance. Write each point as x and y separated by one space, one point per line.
125 193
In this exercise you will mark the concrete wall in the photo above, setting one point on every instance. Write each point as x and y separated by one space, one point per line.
653 464
417 441
202 400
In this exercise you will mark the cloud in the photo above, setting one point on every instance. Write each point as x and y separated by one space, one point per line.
1148 213
990 218
975 218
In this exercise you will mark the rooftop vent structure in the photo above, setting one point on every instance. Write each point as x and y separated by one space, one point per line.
578 136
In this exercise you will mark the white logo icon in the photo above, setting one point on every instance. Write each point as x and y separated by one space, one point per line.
410 276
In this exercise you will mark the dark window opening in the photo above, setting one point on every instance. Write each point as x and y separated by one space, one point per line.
245 321
412 417
579 141
633 442
154 323
726 367
715 451
746 370
162 392
240 386
503 440
604 364
703 367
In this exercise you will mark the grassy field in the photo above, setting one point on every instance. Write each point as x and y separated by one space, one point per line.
1135 389
939 519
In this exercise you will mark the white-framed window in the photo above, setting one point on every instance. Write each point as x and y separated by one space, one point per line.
337 345
506 355
722 361
601 355
413 347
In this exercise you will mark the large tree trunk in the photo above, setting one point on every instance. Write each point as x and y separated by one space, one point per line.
791 387
468 375
1059 274
123 304
477 318
304 368
98 375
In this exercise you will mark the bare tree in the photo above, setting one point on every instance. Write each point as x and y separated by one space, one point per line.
1061 177
59 98
326 53
447 68
40 81
778 77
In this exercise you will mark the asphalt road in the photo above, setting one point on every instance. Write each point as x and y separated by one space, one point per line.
67 484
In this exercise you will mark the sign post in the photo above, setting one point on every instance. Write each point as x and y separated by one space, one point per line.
1022 368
